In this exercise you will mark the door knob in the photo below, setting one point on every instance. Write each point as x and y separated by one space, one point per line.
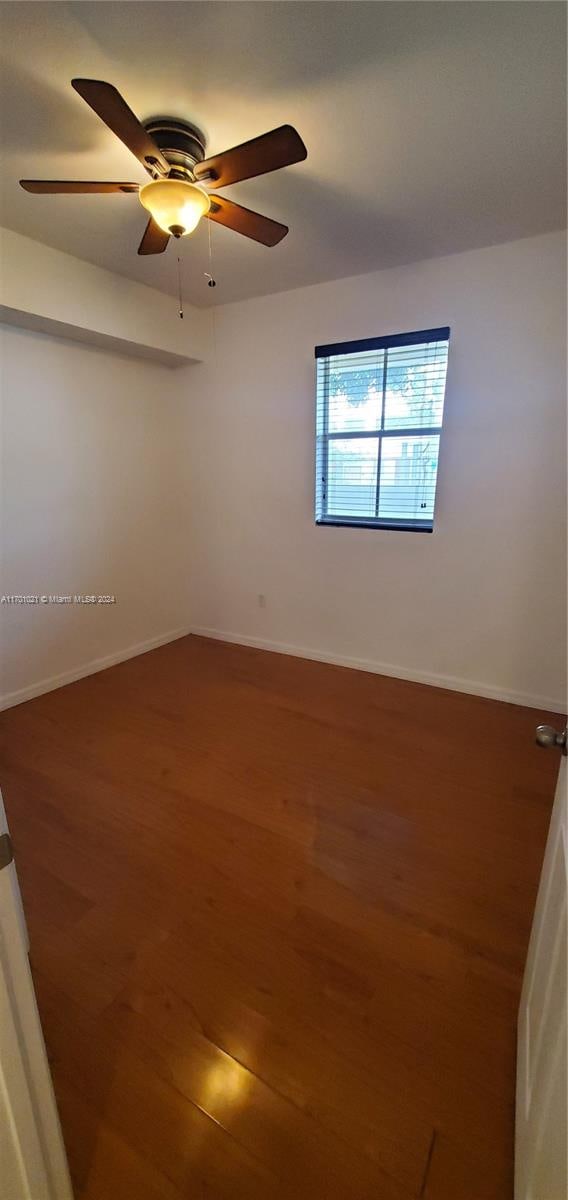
547 736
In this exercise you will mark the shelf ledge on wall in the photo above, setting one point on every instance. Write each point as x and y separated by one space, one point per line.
92 337
51 292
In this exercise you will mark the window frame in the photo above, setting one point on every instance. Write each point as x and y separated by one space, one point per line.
386 343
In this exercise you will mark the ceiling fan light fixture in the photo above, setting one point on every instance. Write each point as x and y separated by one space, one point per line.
172 151
175 204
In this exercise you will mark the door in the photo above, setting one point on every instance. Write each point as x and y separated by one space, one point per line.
541 1150
32 1155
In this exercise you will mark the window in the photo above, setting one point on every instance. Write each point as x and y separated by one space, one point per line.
379 405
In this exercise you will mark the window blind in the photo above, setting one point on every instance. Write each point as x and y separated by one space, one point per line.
379 409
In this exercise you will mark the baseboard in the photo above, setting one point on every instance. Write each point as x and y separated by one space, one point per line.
450 682
9 699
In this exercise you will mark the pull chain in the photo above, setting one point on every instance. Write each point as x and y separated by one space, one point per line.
209 274
211 283
179 289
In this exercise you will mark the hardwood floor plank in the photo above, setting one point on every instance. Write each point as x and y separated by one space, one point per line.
51 905
103 1164
297 1065
328 1006
286 1138
463 1171
278 914
147 1112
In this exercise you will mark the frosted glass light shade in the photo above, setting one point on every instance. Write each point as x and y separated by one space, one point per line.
175 205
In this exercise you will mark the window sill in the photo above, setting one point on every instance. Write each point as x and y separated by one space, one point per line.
396 526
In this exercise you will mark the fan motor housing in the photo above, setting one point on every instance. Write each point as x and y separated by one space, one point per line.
182 144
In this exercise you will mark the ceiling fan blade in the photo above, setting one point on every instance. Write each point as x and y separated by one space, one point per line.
109 105
52 186
269 152
245 221
154 240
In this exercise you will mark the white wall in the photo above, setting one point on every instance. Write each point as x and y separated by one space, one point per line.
480 603
94 501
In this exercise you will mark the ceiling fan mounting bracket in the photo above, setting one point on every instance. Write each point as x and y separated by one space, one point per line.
182 144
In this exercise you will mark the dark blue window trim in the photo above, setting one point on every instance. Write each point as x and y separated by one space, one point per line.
385 343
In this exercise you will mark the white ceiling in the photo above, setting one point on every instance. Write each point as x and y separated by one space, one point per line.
431 128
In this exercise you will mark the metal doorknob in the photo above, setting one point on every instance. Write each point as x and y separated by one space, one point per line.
547 736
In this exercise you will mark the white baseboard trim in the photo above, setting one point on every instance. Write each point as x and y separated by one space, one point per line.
452 683
9 699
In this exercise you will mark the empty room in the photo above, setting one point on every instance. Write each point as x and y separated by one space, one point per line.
283 824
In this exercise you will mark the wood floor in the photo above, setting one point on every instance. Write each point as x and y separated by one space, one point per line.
278 915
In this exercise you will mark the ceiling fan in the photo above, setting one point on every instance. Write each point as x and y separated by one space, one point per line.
173 154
